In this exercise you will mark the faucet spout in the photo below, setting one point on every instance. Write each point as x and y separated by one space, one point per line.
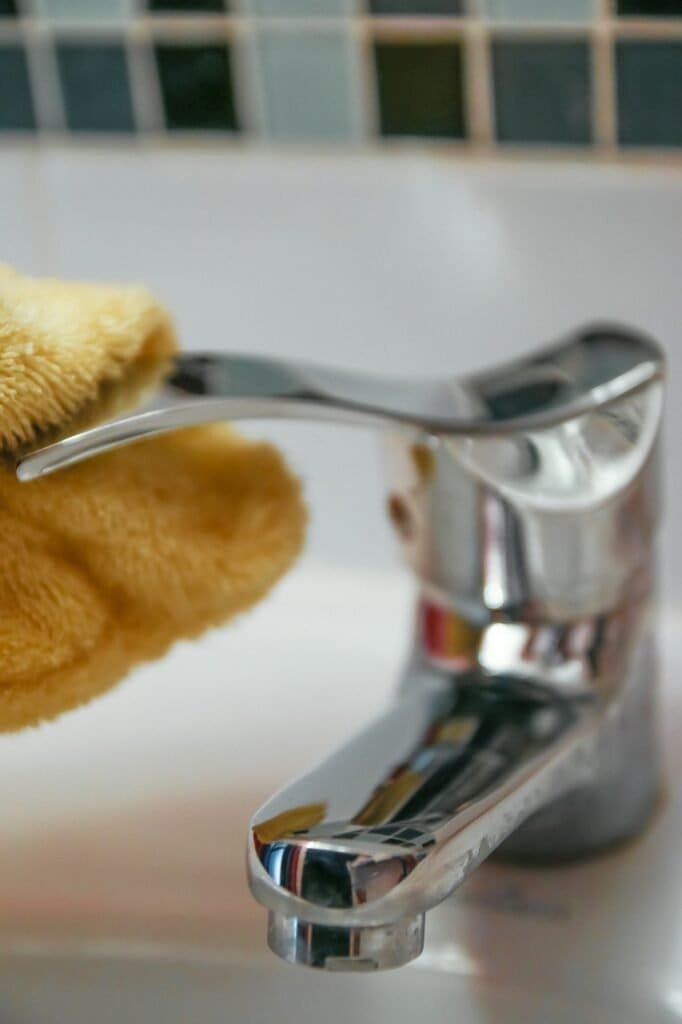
349 858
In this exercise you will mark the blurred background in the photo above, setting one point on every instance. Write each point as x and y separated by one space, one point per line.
600 76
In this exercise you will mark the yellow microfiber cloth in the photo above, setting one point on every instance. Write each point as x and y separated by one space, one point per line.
107 563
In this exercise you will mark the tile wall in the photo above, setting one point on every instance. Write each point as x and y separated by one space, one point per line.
601 77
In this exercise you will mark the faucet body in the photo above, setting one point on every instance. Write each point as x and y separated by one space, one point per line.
524 721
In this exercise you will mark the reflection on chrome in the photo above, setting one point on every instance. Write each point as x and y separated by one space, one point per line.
525 717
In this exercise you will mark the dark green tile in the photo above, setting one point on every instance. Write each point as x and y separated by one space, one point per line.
417 7
421 89
650 8
8 8
200 6
649 85
196 86
542 91
95 87
16 102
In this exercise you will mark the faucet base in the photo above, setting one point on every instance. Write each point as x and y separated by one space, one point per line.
345 949
625 787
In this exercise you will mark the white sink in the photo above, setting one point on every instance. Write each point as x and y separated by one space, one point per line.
110 990
122 883
123 890
115 989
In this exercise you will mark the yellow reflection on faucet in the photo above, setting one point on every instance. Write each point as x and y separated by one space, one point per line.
289 821
388 798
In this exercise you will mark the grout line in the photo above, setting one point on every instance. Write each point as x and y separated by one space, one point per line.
633 157
248 97
417 26
45 84
637 28
199 31
368 86
356 69
78 28
242 19
252 64
539 32
603 89
184 23
385 29
659 28
144 81
300 25
478 85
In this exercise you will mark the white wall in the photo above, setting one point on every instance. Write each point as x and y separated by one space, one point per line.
403 264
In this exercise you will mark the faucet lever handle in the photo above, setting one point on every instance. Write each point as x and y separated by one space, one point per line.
562 381
577 375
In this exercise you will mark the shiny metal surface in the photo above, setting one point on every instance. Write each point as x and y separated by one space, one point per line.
346 949
525 719
567 379
390 825
548 525
526 500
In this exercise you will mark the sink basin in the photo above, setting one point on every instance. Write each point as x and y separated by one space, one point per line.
111 989
122 883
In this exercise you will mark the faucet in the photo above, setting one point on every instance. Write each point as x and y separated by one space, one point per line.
524 719
525 499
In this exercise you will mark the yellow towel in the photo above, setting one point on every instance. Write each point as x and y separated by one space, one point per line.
107 563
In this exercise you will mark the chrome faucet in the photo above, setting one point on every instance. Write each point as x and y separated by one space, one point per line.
526 501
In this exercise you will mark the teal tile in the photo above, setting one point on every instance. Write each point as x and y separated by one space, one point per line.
16 100
86 10
95 87
300 8
542 91
308 85
538 10
649 83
